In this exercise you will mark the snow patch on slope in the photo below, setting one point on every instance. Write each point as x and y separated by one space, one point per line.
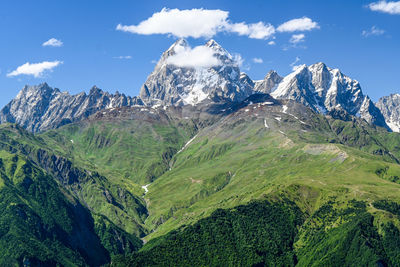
145 187
188 143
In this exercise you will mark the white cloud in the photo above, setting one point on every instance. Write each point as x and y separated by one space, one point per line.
301 24
181 23
199 56
297 38
392 7
123 57
271 43
237 58
35 69
258 60
196 23
374 31
258 30
293 64
53 42
295 67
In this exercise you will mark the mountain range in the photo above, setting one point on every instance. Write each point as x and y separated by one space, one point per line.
206 167
38 108
323 89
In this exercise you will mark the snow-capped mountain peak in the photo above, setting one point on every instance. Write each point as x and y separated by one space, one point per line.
180 81
38 108
326 89
269 84
390 108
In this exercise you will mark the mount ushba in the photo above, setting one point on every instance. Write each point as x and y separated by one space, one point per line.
173 85
317 86
205 168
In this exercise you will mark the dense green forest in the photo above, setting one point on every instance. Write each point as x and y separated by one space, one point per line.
275 234
260 233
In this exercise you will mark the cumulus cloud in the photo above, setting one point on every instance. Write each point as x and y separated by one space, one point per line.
374 31
53 42
391 7
181 23
35 69
123 57
300 24
197 57
258 30
271 43
258 60
197 23
297 38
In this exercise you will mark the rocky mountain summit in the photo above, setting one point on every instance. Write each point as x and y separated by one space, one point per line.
172 83
271 80
323 89
41 107
390 109
181 78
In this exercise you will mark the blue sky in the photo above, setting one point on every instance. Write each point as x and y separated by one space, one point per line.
348 35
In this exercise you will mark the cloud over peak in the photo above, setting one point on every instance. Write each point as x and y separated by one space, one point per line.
197 57
35 69
294 65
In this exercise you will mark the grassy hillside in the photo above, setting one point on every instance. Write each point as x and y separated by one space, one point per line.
42 222
239 160
327 190
130 150
125 210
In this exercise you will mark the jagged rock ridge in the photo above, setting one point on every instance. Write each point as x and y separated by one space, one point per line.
271 80
390 109
39 108
323 89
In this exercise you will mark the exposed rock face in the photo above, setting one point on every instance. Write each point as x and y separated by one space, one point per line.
170 84
324 89
269 84
39 108
390 108
180 83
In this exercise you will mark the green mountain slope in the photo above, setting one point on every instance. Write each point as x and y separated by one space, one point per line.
325 187
133 148
239 159
94 191
39 223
